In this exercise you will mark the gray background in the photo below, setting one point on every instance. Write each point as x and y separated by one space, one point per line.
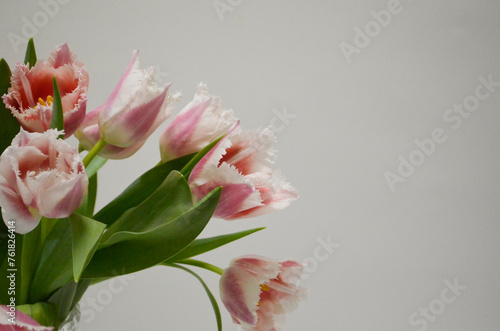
353 121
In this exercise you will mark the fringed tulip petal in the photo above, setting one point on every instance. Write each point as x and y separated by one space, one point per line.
242 163
31 93
40 175
199 123
22 321
258 291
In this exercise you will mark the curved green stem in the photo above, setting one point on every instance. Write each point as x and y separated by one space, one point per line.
201 264
94 151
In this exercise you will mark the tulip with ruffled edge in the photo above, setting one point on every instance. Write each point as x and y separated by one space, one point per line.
135 108
199 123
30 97
22 322
242 163
40 175
258 291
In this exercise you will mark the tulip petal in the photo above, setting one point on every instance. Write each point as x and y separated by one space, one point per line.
40 175
28 96
199 123
258 291
23 321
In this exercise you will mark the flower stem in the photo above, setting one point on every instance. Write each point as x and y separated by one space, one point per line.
202 264
94 151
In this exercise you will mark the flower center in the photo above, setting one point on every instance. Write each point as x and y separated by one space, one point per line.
47 102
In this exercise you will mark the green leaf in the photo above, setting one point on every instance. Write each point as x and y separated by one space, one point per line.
171 200
83 285
139 190
44 313
64 298
55 267
4 240
88 204
141 250
57 110
215 306
29 259
30 56
203 245
96 164
4 281
68 296
86 234
186 171
10 125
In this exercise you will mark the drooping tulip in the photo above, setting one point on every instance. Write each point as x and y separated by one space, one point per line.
30 97
199 123
40 175
16 320
258 291
242 163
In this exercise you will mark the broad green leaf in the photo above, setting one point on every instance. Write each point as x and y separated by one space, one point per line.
57 110
203 245
139 190
186 171
146 249
215 306
96 164
44 313
171 200
30 56
55 267
88 204
10 125
86 233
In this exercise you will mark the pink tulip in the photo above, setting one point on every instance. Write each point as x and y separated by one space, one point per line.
22 322
136 107
199 123
258 291
89 134
31 93
242 163
40 175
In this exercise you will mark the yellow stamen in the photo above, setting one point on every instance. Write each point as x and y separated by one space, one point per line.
264 287
49 101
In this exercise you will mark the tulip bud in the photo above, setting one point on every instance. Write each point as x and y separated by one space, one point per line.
136 107
199 123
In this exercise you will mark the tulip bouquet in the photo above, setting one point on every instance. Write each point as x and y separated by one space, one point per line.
54 245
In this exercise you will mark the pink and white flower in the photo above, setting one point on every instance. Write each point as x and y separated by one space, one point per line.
23 322
135 108
31 93
242 163
199 123
89 134
40 175
258 291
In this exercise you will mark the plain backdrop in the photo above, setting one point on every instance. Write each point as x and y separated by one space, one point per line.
390 135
